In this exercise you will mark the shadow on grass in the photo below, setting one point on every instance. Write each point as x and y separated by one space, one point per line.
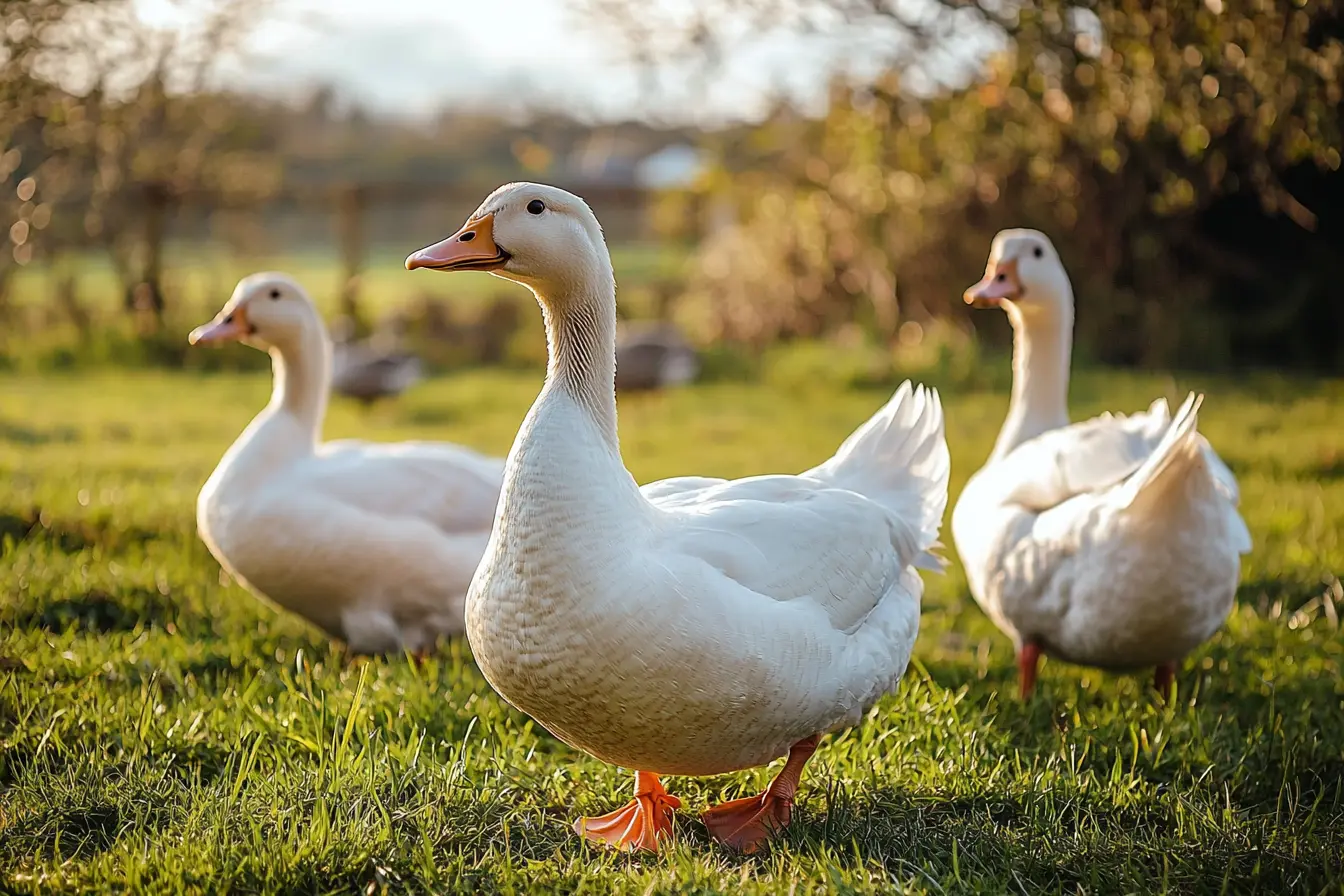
18 434
69 536
193 765
81 830
1283 767
96 612
1293 592
1000 843
74 832
1329 468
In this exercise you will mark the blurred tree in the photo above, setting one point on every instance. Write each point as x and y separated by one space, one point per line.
32 177
166 137
1126 129
111 124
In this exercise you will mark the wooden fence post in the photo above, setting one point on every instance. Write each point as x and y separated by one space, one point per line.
350 224
147 293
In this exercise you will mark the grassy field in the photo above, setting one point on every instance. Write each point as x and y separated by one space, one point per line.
162 730
39 334
197 277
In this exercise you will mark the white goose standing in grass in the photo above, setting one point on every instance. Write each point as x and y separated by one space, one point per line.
694 626
1113 543
375 544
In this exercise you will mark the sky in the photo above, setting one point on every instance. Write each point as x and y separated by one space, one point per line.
413 57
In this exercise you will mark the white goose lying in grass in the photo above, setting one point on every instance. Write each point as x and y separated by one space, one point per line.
695 626
1113 543
376 544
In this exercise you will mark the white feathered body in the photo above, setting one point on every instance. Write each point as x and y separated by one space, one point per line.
1113 543
375 544
700 626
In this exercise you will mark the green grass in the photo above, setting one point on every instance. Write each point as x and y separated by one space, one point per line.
162 730
38 334
197 277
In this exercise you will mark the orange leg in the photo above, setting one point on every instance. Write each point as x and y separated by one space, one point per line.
1163 677
1027 658
639 823
747 823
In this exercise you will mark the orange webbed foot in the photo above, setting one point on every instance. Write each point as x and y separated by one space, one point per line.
747 823
639 823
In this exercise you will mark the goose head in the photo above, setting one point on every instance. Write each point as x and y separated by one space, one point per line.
533 234
1024 276
266 311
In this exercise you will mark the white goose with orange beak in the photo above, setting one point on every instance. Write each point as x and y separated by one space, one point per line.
375 544
1113 543
694 626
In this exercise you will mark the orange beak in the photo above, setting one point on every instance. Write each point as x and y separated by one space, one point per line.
470 249
1000 282
229 328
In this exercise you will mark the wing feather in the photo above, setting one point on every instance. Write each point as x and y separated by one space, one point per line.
452 488
792 538
1081 459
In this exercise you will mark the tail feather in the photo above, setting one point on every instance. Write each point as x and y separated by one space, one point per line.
1222 475
1177 455
1183 452
899 459
931 559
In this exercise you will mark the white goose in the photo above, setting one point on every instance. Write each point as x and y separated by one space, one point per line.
1113 543
694 626
375 544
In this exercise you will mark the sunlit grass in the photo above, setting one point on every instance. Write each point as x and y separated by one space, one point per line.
196 277
162 730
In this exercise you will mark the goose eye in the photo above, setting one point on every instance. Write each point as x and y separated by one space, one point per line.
1000 278
536 207
275 294
1038 252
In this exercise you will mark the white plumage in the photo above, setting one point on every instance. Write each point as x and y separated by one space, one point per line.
696 625
374 543
701 626
1115 542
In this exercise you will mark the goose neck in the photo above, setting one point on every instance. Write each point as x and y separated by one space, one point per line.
302 373
1042 349
581 350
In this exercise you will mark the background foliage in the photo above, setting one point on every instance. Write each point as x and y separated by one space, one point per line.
1183 155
